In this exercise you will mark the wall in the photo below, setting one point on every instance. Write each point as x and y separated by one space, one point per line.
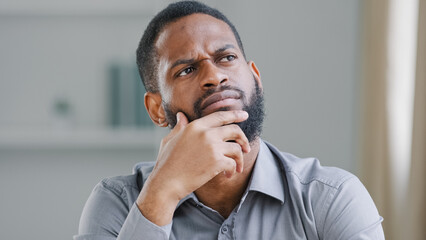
307 53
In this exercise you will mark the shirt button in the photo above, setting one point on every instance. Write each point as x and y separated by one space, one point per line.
224 229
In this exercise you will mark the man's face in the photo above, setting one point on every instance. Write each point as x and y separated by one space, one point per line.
202 70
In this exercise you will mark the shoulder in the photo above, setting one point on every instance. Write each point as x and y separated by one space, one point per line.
119 184
110 202
126 187
335 198
309 170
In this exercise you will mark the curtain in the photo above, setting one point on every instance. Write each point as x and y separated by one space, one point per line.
416 220
374 163
407 219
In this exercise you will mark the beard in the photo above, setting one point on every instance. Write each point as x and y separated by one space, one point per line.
252 127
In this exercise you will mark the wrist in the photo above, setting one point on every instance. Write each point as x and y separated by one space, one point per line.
157 204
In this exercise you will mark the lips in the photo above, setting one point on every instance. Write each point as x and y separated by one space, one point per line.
219 96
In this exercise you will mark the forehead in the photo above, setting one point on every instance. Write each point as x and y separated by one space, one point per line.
190 34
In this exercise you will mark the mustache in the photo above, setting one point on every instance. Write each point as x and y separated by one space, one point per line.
211 91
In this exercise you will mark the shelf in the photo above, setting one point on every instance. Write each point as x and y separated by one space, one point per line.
39 139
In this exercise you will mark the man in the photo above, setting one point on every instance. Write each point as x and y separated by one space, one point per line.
214 177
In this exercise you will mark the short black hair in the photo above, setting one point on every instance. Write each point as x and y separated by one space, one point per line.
146 54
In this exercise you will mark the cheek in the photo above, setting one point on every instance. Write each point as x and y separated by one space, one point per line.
246 82
183 98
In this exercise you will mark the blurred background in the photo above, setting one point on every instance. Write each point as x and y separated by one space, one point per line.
344 82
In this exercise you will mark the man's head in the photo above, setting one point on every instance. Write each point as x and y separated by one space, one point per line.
191 60
146 55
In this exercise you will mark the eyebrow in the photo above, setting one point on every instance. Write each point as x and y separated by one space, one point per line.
223 49
191 60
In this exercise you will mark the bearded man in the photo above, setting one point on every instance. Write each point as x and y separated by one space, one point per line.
214 177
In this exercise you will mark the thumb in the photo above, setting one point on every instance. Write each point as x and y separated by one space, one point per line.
182 120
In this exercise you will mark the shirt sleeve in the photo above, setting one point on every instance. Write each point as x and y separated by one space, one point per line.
107 216
352 214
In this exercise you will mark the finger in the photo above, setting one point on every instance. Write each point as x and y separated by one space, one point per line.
233 132
181 121
221 118
229 167
233 151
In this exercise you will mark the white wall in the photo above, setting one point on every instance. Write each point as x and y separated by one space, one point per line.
307 52
44 57
44 188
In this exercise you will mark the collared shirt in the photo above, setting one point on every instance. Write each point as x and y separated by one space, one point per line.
287 198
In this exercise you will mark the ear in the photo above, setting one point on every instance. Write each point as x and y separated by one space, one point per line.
155 109
255 72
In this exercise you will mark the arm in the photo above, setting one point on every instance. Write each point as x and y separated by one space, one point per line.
352 214
107 216
191 155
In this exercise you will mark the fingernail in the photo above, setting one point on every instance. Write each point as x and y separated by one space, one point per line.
244 114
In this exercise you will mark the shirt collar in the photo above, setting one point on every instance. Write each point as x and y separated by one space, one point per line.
267 177
189 196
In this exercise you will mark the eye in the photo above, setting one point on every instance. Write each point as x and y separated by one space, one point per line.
185 71
228 58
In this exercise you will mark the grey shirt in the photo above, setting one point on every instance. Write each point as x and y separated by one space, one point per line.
287 198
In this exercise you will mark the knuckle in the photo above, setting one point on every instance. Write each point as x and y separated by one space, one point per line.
210 149
221 116
233 164
217 154
204 135
238 156
237 147
235 114
225 163
236 128
194 127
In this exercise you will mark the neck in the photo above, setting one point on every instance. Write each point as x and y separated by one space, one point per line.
224 194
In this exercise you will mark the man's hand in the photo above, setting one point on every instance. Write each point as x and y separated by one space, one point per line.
191 155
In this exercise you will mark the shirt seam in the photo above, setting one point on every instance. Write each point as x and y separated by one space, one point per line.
323 181
119 190
108 183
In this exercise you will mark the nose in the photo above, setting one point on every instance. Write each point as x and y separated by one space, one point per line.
212 76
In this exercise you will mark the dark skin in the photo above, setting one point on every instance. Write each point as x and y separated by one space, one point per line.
210 156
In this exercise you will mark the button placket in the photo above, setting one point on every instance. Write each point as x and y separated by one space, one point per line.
224 229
